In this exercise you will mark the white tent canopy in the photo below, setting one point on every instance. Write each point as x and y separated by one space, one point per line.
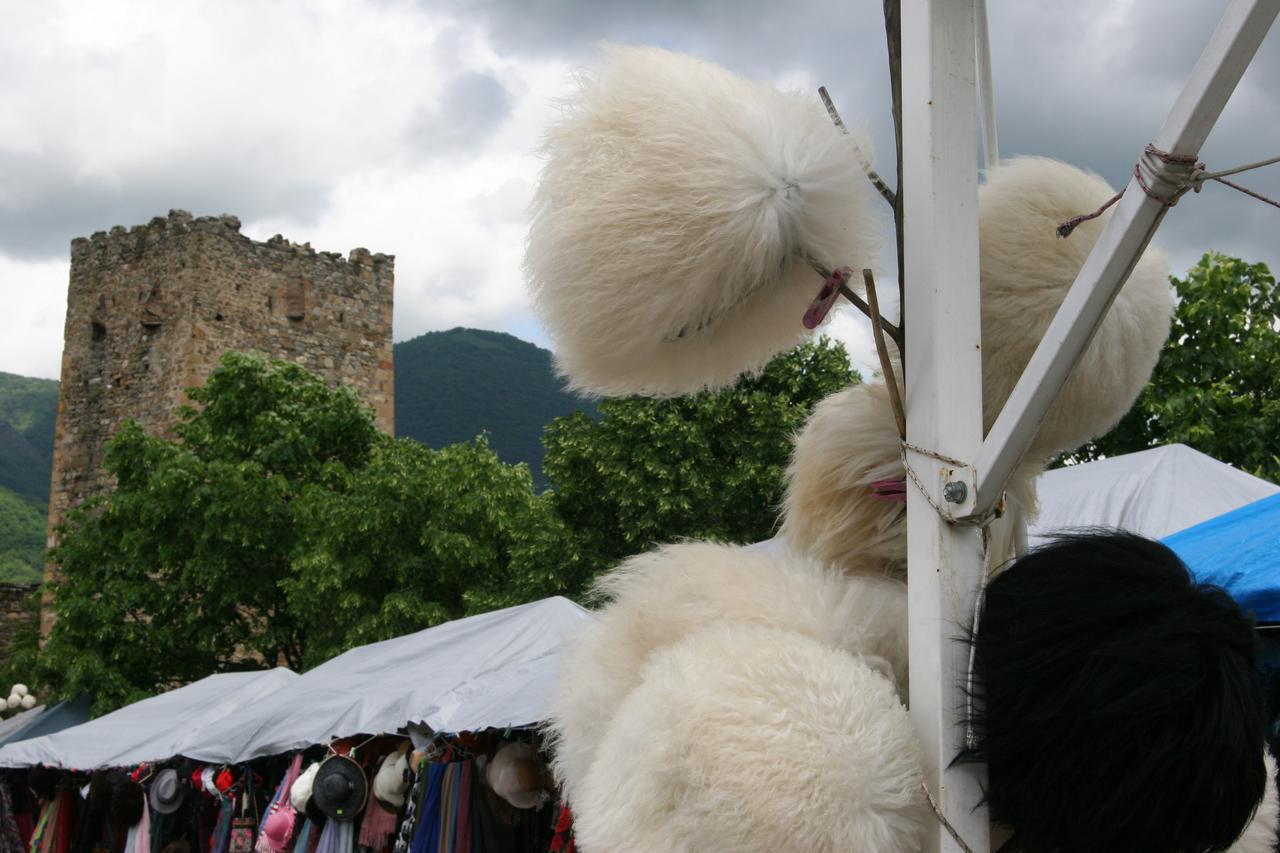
1152 492
148 730
487 671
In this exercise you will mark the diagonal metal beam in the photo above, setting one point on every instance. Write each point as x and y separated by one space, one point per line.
1125 236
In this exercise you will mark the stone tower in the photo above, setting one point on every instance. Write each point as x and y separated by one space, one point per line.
152 308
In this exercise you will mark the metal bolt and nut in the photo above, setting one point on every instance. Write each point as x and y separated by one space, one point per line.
955 492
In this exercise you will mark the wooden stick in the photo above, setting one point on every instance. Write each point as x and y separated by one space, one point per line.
893 34
876 180
886 367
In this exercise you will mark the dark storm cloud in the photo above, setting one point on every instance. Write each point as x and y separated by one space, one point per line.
46 200
472 106
1088 83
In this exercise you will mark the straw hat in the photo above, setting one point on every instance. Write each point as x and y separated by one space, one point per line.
667 251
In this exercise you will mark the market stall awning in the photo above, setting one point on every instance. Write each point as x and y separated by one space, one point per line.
491 670
44 720
148 730
1239 551
1154 492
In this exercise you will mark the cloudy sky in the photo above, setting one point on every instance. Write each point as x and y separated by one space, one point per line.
412 128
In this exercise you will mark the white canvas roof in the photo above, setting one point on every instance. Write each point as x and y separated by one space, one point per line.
1152 492
487 671
148 730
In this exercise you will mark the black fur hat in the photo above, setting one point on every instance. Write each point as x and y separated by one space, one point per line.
1120 709
43 781
127 797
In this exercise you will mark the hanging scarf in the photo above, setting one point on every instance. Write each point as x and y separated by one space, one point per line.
42 826
10 837
410 822
142 842
462 841
221 836
378 825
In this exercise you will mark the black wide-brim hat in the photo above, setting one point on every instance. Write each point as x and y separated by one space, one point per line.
340 789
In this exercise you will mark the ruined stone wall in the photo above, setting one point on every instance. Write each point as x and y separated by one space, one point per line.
13 614
152 308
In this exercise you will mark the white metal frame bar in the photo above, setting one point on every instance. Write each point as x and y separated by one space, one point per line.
986 89
939 107
943 369
1125 236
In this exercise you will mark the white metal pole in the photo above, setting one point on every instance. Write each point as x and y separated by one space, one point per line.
1122 241
944 390
986 90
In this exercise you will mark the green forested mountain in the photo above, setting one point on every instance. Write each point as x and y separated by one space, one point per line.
22 528
28 410
451 386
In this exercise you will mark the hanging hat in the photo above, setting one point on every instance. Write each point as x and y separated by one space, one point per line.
166 792
1027 270
127 799
300 792
391 782
278 828
224 780
340 788
674 218
1128 655
208 782
516 774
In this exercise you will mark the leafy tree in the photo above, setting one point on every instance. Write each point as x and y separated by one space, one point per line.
418 537
178 572
1216 386
709 465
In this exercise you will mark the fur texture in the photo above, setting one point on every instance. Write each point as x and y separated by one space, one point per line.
829 510
1120 707
658 598
745 738
664 254
1027 270
1260 835
850 441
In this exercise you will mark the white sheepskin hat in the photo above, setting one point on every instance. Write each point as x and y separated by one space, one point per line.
658 598
1027 270
666 248
832 508
745 738
851 442
1259 834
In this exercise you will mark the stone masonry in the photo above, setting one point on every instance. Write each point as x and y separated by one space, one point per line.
152 308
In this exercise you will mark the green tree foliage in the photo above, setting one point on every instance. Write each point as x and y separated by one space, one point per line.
28 412
1216 387
418 537
277 525
179 573
708 466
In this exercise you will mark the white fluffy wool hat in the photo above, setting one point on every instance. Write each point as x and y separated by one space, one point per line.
850 442
666 251
839 504
742 738
657 599
1027 270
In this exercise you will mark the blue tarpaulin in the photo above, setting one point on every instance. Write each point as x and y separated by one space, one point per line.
1239 551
